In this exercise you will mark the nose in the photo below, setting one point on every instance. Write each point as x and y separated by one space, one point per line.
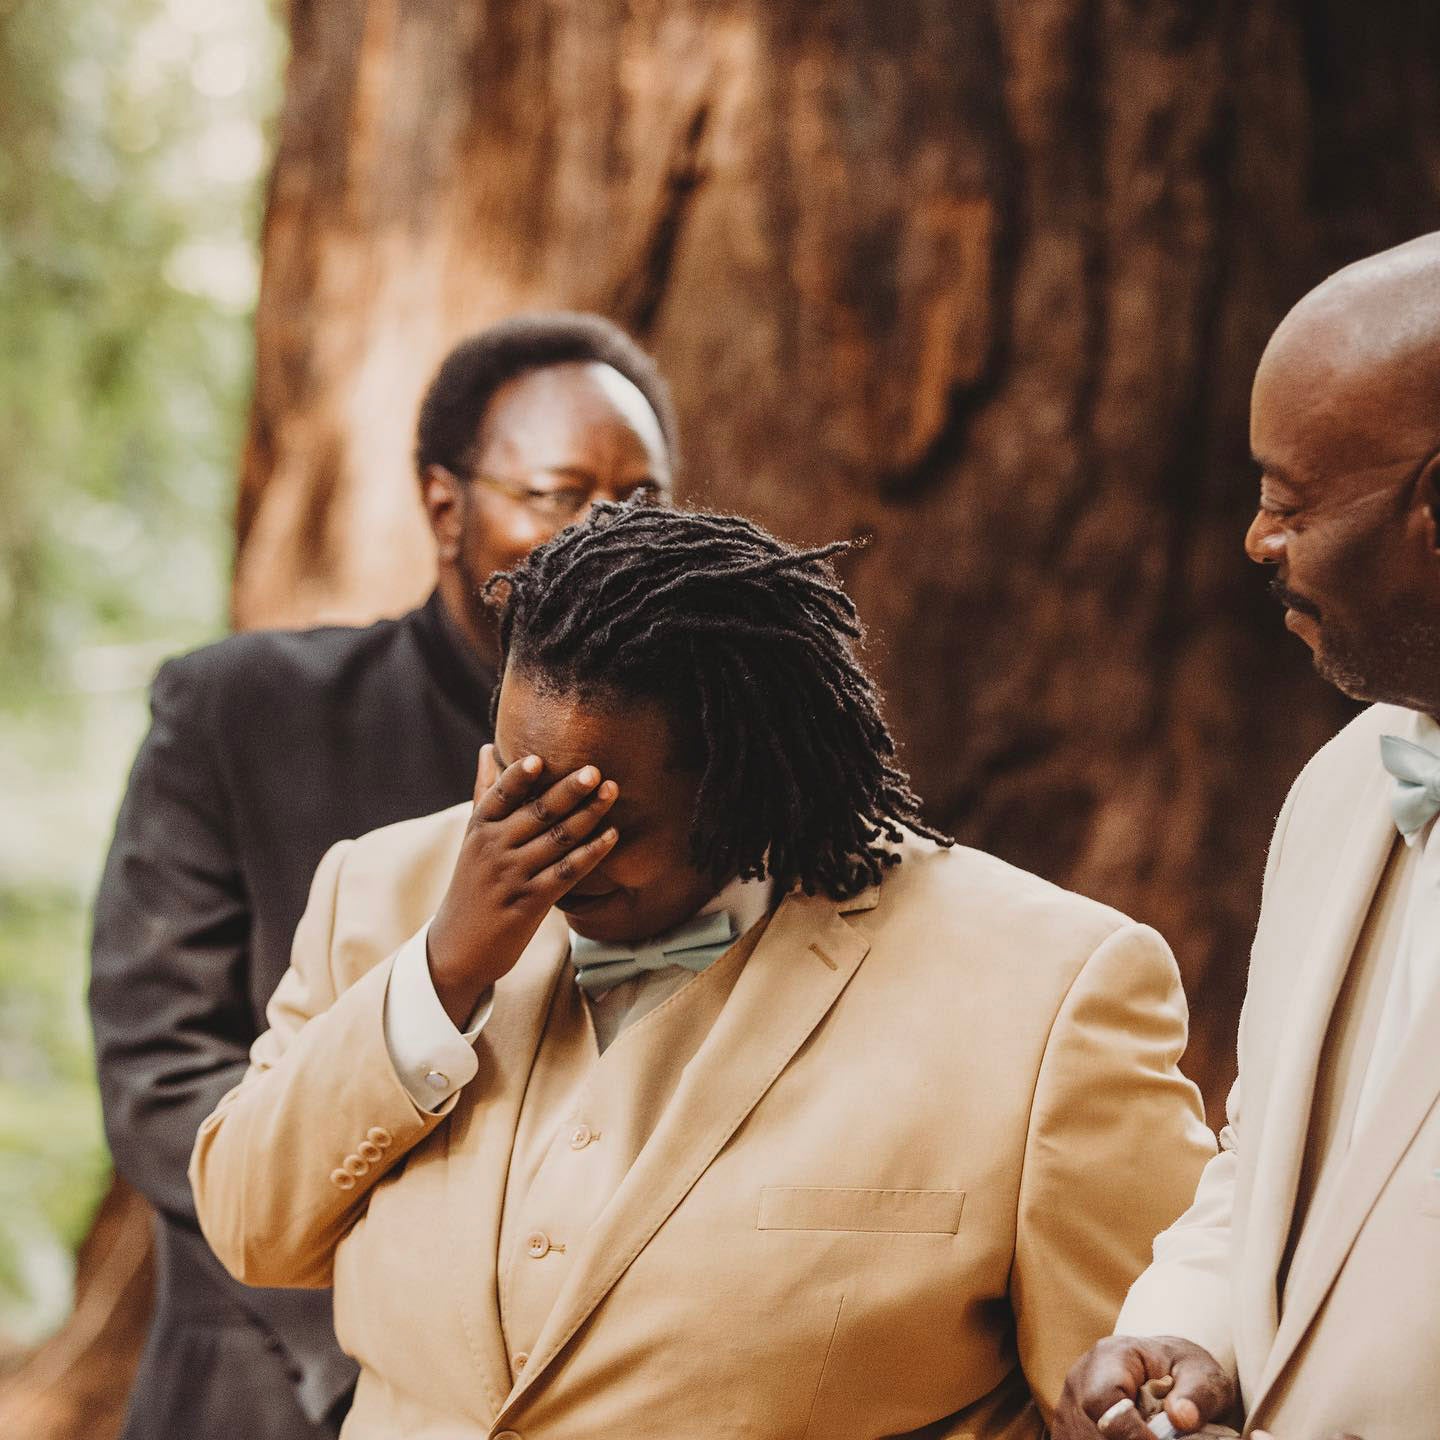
1265 539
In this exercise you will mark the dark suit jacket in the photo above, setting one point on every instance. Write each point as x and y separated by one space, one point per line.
264 750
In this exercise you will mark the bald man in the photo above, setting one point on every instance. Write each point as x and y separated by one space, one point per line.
1300 1294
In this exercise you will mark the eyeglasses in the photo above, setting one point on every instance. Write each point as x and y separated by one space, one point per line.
566 502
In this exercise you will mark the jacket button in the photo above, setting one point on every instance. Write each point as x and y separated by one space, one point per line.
378 1136
508 1435
538 1245
368 1151
342 1179
581 1136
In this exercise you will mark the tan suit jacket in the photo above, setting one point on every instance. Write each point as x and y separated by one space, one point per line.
1357 1344
904 1175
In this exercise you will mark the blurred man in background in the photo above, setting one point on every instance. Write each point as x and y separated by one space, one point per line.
264 750
1300 1288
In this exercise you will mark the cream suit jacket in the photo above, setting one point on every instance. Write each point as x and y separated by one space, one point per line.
906 1172
1357 1347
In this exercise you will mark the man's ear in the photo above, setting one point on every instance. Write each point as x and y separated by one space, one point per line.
444 497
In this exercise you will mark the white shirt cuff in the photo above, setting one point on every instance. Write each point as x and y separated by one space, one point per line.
432 1058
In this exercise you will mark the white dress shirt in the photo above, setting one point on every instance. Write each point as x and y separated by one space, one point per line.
1417 965
434 1059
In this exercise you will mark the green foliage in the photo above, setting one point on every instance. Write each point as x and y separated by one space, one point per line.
131 144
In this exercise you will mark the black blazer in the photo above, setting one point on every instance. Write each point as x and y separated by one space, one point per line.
264 749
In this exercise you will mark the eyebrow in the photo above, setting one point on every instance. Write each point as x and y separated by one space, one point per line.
588 477
1269 467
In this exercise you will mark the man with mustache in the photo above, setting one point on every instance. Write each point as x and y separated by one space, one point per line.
267 748
1299 1291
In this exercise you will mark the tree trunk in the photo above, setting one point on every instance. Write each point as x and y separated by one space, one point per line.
982 282
74 1386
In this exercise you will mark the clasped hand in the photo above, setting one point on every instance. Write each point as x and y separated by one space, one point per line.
526 844
1115 1369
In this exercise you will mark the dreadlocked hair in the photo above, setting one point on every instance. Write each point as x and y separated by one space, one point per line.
748 645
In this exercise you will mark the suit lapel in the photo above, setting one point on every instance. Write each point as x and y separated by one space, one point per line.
1279 1147
481 1136
803 961
1408 1096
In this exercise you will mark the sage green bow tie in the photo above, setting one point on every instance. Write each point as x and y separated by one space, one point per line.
696 944
1415 789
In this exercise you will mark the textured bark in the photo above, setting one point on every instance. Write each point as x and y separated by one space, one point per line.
74 1386
984 283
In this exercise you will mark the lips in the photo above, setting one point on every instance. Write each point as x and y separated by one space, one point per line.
576 902
1293 602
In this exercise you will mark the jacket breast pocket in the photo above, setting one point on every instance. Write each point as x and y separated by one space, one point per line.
883 1212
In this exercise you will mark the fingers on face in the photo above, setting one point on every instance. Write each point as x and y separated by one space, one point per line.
509 788
549 812
574 865
486 772
571 830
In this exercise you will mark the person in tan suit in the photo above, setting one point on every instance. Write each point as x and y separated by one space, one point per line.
1302 1288
687 1084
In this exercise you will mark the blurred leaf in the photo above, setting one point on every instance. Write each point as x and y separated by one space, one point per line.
131 138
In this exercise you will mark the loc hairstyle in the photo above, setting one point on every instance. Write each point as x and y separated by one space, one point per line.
466 382
748 645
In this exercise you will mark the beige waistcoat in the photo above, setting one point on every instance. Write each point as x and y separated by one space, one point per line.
583 1122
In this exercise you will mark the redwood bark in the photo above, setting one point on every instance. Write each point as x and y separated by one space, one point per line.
74 1386
981 282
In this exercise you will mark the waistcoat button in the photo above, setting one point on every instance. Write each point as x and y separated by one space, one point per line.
538 1244
581 1136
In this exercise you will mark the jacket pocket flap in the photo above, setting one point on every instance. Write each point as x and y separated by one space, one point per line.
821 1207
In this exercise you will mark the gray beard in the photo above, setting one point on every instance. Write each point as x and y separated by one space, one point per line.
1403 668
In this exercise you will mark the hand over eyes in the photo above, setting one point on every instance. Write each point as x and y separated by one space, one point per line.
526 844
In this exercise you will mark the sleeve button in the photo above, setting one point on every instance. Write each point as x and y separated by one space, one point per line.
356 1166
342 1179
378 1136
437 1080
368 1150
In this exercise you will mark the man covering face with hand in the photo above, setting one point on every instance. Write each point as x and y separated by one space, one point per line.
686 1083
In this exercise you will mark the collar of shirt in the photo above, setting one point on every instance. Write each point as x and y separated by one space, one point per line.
451 659
746 900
